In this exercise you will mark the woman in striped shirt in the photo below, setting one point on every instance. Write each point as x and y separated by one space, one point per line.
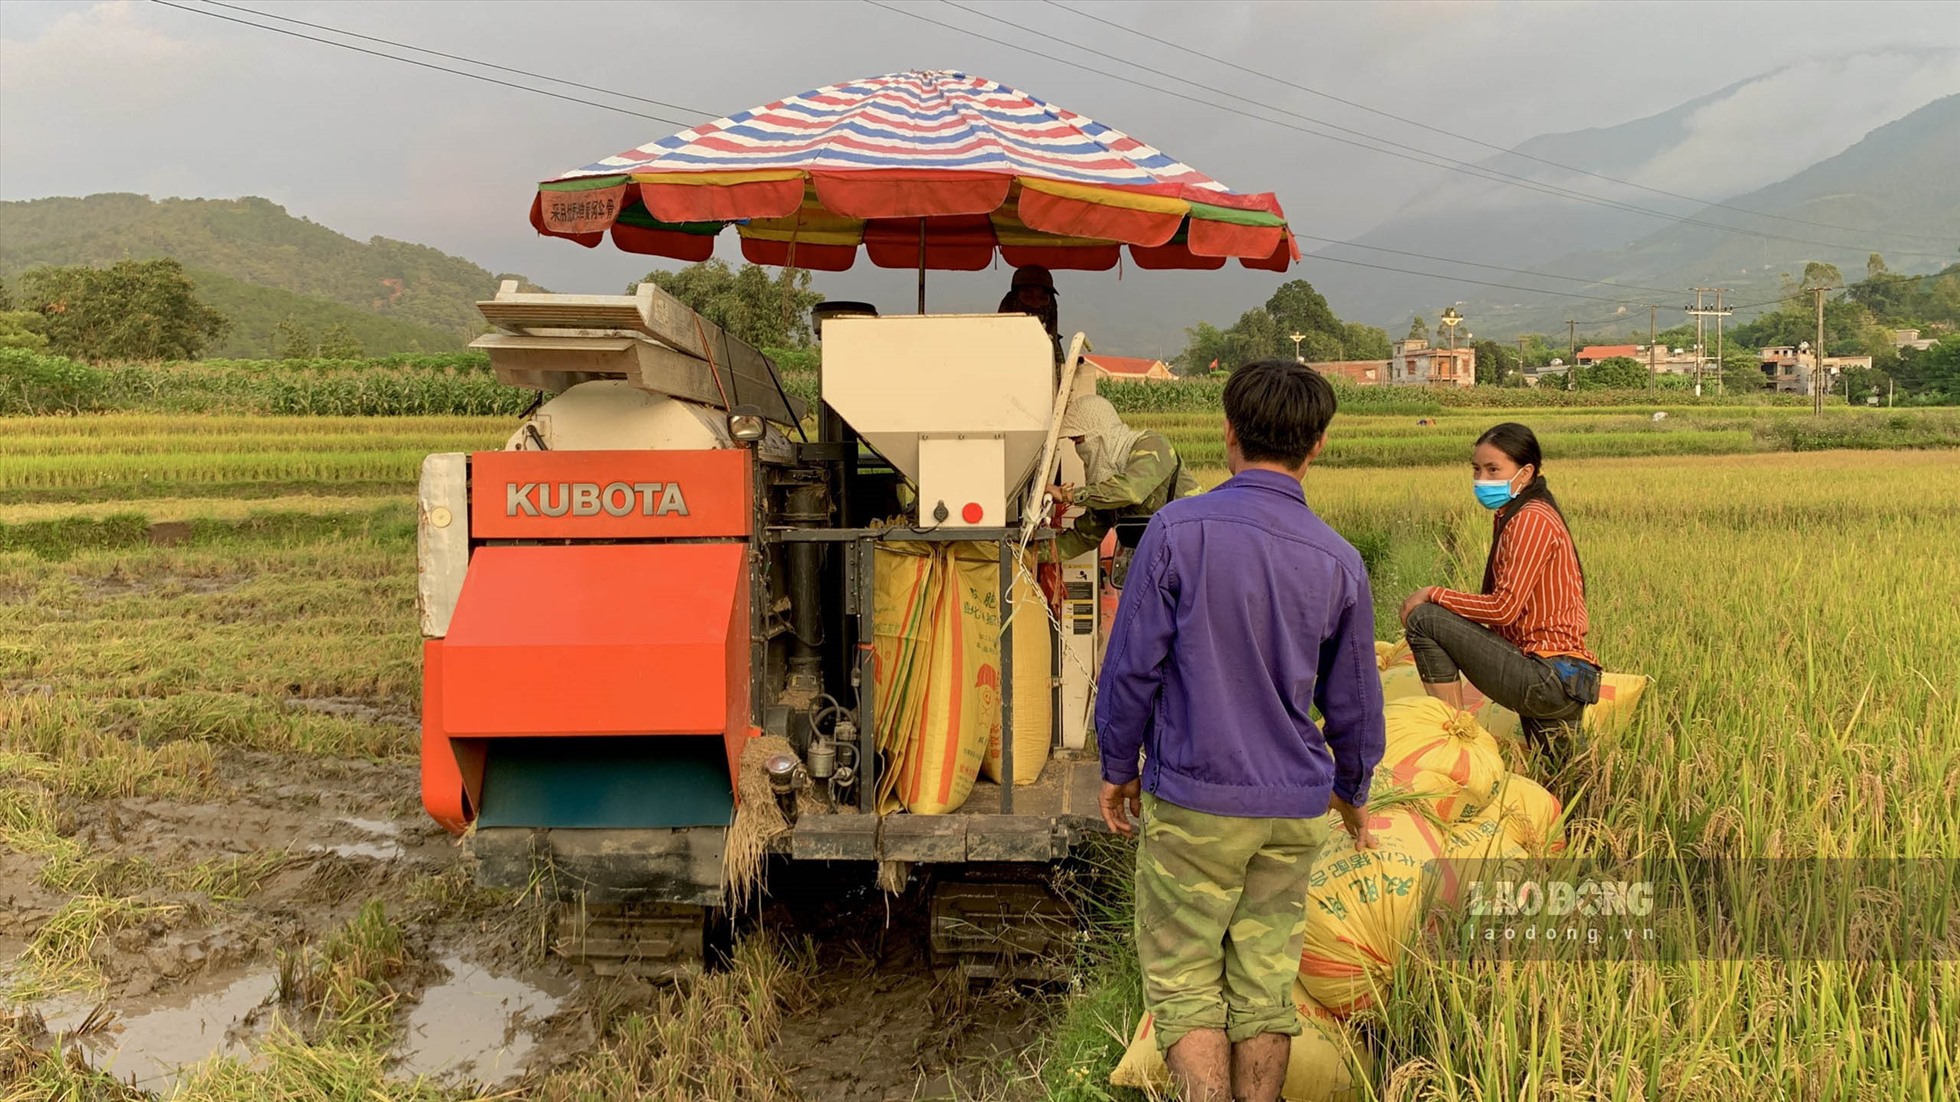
1521 640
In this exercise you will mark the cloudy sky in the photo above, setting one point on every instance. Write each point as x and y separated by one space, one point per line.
138 96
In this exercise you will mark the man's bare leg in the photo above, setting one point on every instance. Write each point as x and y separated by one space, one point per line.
1450 692
1201 1066
1259 1067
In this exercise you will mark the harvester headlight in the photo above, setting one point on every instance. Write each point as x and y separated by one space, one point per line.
745 424
781 770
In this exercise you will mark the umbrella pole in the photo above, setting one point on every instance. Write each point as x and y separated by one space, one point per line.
922 265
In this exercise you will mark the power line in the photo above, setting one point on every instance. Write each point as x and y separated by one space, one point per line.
1418 156
465 60
1480 264
1460 279
421 64
1477 141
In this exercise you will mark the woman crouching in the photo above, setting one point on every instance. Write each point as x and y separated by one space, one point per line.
1521 640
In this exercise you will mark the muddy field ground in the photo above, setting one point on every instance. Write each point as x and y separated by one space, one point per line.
286 854
216 877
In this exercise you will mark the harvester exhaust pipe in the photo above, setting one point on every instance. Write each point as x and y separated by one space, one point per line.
807 506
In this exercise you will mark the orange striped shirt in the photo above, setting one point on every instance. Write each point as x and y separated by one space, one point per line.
1537 603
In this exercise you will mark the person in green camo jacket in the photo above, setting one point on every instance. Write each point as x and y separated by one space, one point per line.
1126 473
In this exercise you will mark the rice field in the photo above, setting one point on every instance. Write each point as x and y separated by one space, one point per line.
199 610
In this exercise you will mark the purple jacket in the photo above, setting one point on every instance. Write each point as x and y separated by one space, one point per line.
1242 609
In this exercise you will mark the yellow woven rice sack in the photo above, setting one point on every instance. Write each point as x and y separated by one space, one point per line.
1364 909
1432 748
1619 694
907 583
1034 666
1398 823
1401 682
1398 670
1528 814
1327 1062
1501 722
956 700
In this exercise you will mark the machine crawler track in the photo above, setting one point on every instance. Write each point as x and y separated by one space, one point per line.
1002 929
657 942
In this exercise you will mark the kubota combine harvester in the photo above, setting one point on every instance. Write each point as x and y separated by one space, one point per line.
673 564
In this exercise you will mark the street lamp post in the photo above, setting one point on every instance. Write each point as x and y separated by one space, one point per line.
1297 338
1451 319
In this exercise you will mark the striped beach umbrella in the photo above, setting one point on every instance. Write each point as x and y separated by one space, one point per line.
919 170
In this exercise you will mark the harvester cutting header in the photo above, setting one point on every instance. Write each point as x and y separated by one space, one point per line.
682 617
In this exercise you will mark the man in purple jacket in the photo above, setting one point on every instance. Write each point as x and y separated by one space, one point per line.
1243 610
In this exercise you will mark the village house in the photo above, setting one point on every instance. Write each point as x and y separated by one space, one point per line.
1416 363
1903 339
1790 367
1128 368
1665 360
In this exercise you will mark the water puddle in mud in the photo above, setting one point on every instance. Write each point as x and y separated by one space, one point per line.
382 842
475 1025
189 1026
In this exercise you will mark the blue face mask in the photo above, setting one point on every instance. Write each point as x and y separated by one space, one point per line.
1493 493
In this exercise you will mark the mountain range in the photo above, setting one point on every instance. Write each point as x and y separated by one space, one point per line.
1891 181
260 266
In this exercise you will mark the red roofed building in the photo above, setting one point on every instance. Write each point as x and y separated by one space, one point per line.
1593 353
1358 372
1128 368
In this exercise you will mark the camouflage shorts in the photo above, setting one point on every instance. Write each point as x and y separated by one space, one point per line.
1221 909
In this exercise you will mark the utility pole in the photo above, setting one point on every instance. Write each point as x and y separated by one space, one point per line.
1521 359
1817 357
1721 385
1701 312
1701 329
1652 310
1572 354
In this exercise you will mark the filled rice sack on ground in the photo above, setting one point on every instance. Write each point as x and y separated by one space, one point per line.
1364 909
1439 751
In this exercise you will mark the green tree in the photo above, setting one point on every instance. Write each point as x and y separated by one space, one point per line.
293 341
1418 329
339 343
1319 347
1497 365
22 329
1742 371
131 310
1364 342
1207 348
1934 374
1614 372
1297 308
1256 336
747 303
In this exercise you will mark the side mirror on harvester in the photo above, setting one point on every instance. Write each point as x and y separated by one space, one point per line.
1129 531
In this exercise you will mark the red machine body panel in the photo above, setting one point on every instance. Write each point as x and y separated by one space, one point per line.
525 495
596 640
